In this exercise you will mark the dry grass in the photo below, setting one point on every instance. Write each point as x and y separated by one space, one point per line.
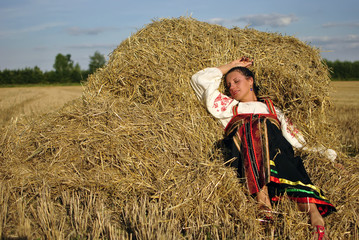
138 157
29 101
346 114
345 93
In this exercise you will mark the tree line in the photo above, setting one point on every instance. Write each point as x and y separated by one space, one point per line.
65 72
343 70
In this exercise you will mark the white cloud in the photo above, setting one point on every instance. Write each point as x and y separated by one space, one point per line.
76 31
219 21
334 42
341 24
332 39
92 46
34 28
272 20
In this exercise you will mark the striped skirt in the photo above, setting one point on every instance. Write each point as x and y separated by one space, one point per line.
267 158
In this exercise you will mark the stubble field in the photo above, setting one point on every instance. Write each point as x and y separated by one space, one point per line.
29 101
345 98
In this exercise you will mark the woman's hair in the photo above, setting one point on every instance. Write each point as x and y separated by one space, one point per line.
246 73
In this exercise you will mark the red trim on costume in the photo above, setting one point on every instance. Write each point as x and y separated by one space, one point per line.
252 140
310 200
274 179
250 165
244 115
270 106
321 205
303 199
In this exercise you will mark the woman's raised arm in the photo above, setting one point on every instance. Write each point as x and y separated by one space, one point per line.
243 62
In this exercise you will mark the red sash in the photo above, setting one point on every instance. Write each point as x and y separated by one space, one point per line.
249 132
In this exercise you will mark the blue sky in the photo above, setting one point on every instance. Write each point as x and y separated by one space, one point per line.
33 32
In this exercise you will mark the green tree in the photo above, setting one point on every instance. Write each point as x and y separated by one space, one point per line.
343 70
76 74
38 75
63 63
96 61
50 77
63 67
356 70
6 77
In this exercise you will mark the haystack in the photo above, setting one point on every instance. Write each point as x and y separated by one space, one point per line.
139 157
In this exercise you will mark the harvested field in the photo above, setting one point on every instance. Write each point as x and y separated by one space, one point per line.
345 93
345 110
139 157
29 101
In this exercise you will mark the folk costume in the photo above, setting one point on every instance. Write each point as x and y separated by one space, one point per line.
263 139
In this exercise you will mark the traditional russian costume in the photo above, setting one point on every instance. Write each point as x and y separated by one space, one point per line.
263 139
268 159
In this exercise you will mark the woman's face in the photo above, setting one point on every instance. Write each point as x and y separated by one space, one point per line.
240 87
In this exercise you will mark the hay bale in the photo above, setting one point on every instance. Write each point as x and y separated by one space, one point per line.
153 67
138 156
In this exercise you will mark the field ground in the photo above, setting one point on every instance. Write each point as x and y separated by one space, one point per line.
34 100
345 97
346 93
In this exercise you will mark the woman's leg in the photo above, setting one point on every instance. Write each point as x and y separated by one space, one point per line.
264 206
314 215
263 197
316 220
311 208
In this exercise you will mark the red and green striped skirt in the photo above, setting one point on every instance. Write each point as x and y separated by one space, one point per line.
267 158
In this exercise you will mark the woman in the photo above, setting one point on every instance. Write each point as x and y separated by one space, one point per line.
264 139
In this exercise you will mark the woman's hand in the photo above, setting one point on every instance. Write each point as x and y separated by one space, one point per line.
242 62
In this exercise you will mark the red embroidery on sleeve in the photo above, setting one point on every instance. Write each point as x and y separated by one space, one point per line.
291 129
221 102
